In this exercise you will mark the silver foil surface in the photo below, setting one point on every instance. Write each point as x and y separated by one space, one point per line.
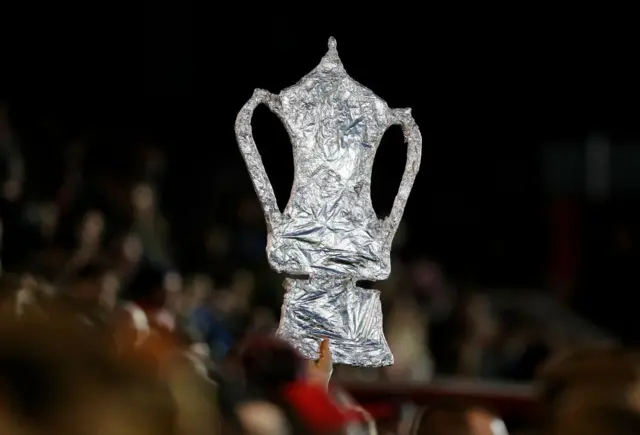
329 236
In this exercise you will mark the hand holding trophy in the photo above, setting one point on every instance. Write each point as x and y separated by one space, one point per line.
328 236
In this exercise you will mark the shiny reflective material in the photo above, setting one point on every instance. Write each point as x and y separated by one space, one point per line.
329 231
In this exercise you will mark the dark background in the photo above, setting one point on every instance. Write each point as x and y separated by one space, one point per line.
488 94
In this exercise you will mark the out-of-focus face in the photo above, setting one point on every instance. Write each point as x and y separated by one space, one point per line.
173 282
110 286
202 287
198 292
243 286
263 320
173 289
225 302
48 219
143 198
92 227
24 298
132 248
479 312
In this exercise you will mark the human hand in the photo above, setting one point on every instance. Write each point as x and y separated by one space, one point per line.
319 372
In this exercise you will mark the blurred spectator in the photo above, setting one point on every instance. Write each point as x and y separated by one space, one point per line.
520 347
586 379
262 321
45 391
128 255
149 224
300 388
109 290
83 295
194 394
12 171
453 418
250 235
98 233
431 290
477 350
203 316
89 242
10 301
72 185
153 163
407 336
232 306
146 289
270 364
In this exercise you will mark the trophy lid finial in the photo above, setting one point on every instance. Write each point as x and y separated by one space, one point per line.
331 60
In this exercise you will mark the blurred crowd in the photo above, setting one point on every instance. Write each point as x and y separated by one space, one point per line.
62 214
109 323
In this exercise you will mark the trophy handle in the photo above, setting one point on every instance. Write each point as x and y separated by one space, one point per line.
413 139
249 150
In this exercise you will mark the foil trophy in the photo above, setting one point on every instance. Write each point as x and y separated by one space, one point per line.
329 236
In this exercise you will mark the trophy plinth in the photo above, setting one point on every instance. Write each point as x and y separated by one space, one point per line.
334 307
329 230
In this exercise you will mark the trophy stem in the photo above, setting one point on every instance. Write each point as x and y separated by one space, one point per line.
335 308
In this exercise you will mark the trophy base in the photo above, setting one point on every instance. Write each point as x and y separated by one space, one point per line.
335 308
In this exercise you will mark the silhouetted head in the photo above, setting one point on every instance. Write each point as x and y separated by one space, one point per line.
269 363
147 286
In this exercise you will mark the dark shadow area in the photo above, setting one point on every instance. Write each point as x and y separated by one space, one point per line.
369 285
300 277
388 168
275 149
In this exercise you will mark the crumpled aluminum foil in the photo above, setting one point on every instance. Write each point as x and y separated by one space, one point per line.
329 236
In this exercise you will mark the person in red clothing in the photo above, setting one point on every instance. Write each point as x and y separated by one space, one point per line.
277 373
